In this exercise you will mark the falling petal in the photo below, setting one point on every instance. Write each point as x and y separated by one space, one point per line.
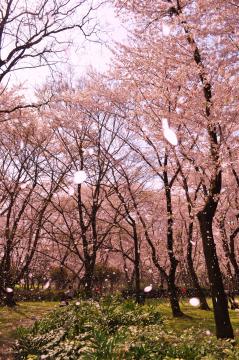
194 301
47 284
193 242
77 303
181 100
179 110
9 290
166 29
148 288
208 332
90 151
79 177
164 122
170 136
21 145
71 191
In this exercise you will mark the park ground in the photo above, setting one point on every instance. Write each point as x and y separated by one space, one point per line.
26 313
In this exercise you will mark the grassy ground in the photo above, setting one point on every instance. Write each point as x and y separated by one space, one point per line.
22 315
26 313
197 318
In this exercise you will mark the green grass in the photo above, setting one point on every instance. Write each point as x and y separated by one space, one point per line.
112 330
197 318
24 314
27 312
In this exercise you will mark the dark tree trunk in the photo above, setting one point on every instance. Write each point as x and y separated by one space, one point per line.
205 217
136 265
222 320
9 299
194 278
229 249
199 292
88 280
233 259
6 278
173 298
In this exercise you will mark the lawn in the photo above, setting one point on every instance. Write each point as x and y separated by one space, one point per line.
25 314
196 317
28 312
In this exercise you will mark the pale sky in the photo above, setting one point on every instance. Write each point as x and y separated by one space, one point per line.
82 55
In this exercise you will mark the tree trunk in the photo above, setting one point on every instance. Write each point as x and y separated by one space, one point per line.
235 266
222 320
88 281
173 298
136 265
7 280
196 285
199 292
9 299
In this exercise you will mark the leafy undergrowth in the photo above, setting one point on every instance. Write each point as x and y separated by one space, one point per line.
113 330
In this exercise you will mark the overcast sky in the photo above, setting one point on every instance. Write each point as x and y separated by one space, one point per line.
83 55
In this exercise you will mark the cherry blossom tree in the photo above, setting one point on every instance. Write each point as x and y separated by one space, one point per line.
184 50
29 178
83 219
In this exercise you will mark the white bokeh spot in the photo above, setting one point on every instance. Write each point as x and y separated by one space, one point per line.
79 177
194 301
